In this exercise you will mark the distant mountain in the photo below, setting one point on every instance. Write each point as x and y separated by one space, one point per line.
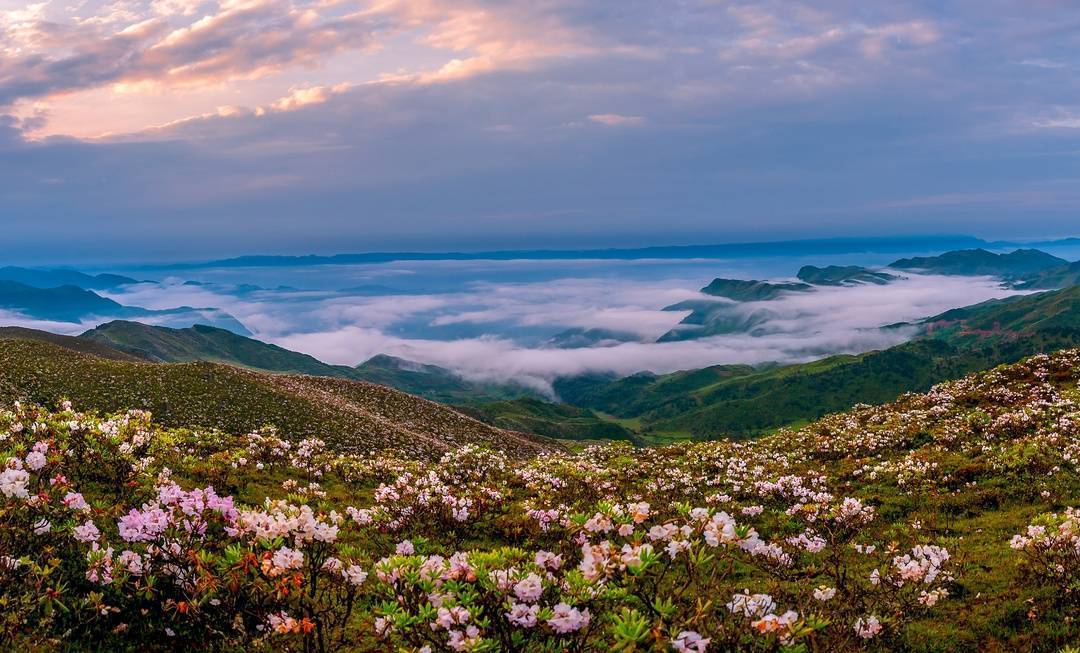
54 278
712 318
1059 277
61 304
740 290
745 401
812 247
74 304
982 262
843 275
351 416
578 337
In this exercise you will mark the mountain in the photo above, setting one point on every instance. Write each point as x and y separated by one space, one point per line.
62 304
842 275
789 248
74 304
740 290
744 401
1059 277
711 318
350 415
940 523
433 382
208 344
54 278
578 337
1018 263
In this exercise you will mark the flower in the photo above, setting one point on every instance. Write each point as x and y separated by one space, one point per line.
523 615
867 627
567 619
13 483
689 641
86 532
529 588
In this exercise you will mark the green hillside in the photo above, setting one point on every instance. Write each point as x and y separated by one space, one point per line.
353 416
68 342
552 420
206 343
210 344
743 401
1059 277
433 382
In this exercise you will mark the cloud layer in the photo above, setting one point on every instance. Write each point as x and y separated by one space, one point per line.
494 330
214 127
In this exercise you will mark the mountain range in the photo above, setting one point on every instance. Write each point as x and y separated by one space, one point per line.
737 400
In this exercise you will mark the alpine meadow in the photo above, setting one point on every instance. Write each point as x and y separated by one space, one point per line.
504 326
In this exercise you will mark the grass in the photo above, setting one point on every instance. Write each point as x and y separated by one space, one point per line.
354 416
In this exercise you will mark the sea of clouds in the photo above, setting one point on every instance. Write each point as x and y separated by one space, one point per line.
491 320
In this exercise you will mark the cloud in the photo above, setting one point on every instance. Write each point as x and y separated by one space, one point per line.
496 330
425 124
616 120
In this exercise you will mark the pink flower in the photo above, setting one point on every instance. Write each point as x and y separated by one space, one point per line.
523 615
86 532
867 627
529 588
689 641
568 619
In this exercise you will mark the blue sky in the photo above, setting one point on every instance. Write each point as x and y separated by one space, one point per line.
179 129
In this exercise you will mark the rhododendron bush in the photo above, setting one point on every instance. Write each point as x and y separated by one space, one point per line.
944 521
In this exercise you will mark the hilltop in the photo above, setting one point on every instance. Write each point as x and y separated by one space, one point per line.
55 278
350 415
1018 263
842 275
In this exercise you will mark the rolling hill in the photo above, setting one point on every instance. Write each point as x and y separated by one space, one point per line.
744 401
55 278
353 416
207 344
842 275
1018 263
210 344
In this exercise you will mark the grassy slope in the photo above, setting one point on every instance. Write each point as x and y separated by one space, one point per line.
553 420
68 342
210 344
354 416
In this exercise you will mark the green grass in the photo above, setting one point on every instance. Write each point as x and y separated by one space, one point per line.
355 416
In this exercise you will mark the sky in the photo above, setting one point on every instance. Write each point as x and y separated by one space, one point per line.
191 129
